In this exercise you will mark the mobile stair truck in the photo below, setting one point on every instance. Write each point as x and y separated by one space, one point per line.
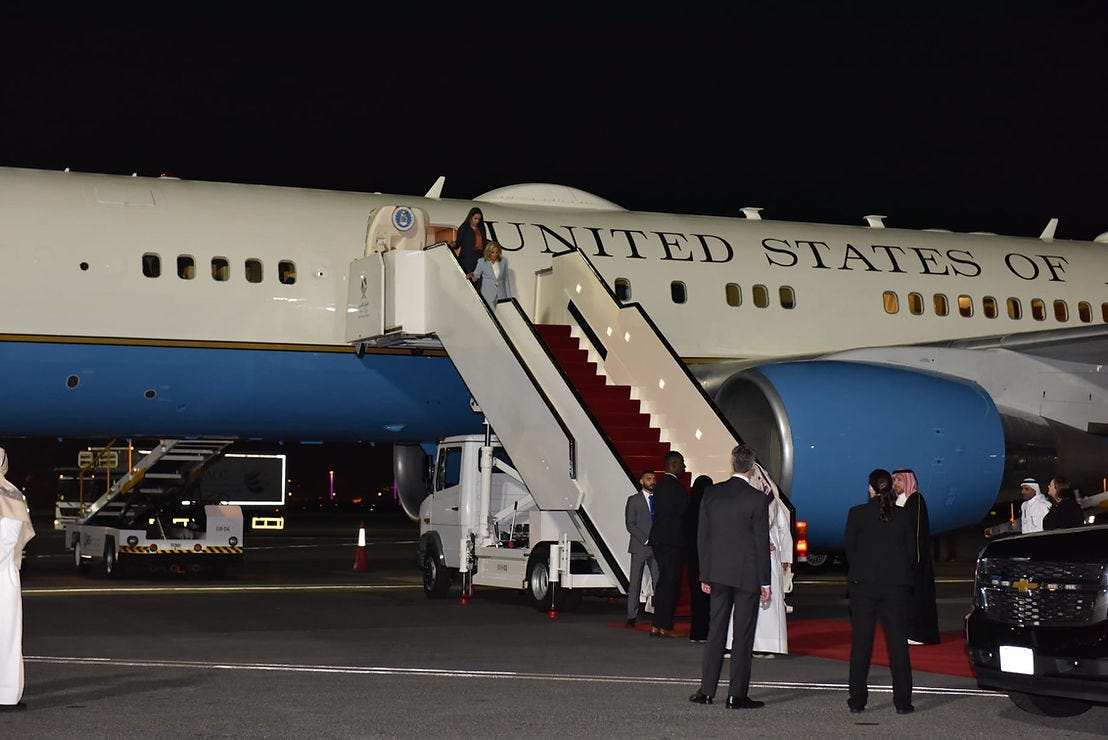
584 393
144 521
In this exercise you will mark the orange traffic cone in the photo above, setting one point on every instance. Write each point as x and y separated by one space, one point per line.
361 559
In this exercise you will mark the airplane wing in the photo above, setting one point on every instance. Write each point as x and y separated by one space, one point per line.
1085 345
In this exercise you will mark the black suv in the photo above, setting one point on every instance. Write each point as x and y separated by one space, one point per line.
1039 625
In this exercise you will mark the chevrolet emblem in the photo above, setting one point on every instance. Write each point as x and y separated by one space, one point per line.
1023 585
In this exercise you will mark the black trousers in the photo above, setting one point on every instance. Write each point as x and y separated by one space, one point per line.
870 604
699 602
745 604
668 588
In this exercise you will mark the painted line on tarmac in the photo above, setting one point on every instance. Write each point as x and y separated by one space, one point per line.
255 548
453 673
215 589
842 581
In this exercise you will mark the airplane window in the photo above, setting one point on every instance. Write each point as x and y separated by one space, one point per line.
941 307
623 290
1038 309
1015 309
761 296
734 294
253 271
186 267
677 291
151 265
892 303
1085 312
965 305
915 304
221 269
787 296
1061 311
988 305
286 272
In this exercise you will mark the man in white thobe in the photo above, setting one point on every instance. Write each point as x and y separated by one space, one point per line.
15 532
1035 506
771 634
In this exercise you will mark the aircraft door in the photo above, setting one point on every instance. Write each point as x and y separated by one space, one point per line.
396 227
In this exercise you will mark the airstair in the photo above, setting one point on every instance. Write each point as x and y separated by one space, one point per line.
584 393
170 464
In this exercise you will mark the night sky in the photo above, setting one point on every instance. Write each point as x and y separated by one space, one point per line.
989 117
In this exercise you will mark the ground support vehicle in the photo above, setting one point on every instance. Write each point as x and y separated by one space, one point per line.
149 534
480 526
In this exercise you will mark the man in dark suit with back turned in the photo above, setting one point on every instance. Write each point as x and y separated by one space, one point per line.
733 543
667 537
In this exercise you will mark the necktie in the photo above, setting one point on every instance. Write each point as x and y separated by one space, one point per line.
650 503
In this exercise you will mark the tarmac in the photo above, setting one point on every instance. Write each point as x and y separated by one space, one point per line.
297 644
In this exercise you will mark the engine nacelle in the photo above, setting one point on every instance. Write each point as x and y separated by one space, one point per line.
822 426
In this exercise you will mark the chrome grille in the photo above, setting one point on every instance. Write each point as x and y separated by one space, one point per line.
1026 593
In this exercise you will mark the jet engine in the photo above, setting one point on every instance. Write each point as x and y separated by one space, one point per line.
822 426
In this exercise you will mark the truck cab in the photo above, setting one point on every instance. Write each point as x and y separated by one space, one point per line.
480 525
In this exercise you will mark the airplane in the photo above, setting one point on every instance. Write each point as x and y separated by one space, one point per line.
160 307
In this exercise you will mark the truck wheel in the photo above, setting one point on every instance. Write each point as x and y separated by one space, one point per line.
539 585
1050 706
111 561
436 577
78 561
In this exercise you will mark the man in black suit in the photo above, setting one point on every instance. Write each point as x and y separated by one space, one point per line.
667 537
733 543
880 549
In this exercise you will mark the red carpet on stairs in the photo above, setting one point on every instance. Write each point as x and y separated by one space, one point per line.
636 443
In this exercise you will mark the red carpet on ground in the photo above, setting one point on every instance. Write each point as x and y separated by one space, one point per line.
830 638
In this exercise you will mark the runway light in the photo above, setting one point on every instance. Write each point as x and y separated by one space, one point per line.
627 336
662 383
578 288
609 331
699 434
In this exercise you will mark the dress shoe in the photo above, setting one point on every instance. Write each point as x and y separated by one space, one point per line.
742 702
764 656
663 632
697 640
630 623
700 698
854 709
12 707
735 702
905 710
655 631
914 642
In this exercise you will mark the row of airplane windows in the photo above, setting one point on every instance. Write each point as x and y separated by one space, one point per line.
990 307
252 269
732 293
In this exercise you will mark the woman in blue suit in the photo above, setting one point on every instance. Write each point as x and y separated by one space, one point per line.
491 275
